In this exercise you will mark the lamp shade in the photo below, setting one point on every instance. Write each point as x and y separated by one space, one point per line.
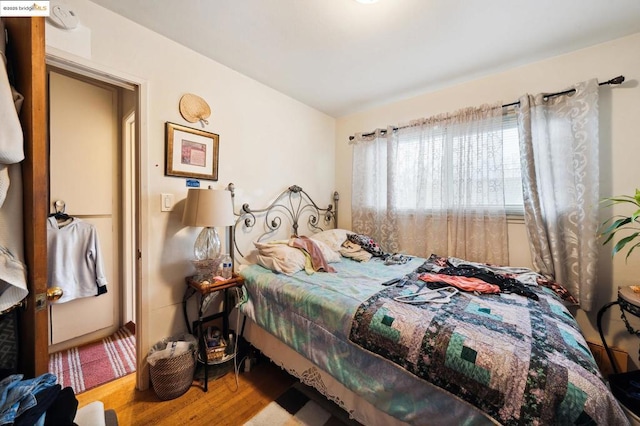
208 207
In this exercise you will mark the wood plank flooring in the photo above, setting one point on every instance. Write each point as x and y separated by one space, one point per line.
225 404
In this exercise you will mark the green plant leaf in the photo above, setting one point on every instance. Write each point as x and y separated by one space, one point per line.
623 242
630 250
615 225
621 199
609 238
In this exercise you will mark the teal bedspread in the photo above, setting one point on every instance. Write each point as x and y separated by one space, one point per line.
477 360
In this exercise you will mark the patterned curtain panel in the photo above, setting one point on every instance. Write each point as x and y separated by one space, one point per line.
560 174
434 186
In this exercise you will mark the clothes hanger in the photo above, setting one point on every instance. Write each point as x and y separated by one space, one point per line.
59 213
440 295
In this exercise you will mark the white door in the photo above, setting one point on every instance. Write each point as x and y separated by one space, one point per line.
84 159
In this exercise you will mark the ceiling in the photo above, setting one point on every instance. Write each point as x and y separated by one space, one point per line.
341 57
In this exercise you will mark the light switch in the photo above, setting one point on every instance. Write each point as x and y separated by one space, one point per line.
167 202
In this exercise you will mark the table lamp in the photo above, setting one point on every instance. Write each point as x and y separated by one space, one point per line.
208 208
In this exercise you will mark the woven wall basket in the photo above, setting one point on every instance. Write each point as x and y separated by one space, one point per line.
172 377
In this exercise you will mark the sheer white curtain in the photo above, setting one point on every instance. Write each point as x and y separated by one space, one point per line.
560 173
434 186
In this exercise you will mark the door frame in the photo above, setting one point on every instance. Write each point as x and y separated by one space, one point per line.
136 231
129 223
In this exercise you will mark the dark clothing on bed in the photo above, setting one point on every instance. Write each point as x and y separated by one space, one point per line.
506 284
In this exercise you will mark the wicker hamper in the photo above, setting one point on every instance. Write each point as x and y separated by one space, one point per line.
172 377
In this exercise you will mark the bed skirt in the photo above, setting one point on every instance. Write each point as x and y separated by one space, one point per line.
309 374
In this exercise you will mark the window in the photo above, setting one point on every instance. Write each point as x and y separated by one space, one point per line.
435 162
511 162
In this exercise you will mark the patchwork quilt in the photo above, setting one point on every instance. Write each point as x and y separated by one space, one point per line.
477 360
519 360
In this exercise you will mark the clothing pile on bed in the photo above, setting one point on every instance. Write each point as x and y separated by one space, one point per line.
295 254
317 252
438 271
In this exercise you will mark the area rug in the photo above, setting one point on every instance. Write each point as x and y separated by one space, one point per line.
301 405
85 367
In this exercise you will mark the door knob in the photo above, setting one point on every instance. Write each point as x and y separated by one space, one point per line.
54 293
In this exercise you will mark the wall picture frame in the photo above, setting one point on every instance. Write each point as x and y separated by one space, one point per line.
191 153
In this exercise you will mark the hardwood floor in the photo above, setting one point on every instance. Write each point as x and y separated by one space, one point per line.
225 403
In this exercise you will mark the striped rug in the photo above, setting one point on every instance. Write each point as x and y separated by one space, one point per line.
85 367
301 405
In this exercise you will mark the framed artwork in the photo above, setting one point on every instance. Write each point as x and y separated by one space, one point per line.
191 153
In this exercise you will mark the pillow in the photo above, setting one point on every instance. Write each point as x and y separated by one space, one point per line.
330 255
331 237
366 243
355 252
279 257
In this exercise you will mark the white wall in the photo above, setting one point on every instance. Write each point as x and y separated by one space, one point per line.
268 142
619 136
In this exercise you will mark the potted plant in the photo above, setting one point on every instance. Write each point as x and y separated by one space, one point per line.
626 224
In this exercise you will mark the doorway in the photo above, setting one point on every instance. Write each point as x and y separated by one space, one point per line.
92 163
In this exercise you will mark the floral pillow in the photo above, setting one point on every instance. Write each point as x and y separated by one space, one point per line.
366 243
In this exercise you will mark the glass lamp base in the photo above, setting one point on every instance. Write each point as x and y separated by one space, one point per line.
207 244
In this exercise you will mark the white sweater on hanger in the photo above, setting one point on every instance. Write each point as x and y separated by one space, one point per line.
75 260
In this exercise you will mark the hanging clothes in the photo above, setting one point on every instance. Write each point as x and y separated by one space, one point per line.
13 271
74 259
11 138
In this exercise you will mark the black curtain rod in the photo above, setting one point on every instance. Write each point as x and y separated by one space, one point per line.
615 80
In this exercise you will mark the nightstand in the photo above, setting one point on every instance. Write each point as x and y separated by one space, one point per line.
202 290
628 302
624 386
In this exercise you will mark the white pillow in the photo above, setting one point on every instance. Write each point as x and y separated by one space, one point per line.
332 237
328 253
278 256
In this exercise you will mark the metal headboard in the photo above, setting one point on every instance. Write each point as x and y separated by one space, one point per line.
293 206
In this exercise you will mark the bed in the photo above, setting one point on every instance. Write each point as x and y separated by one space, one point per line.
388 356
